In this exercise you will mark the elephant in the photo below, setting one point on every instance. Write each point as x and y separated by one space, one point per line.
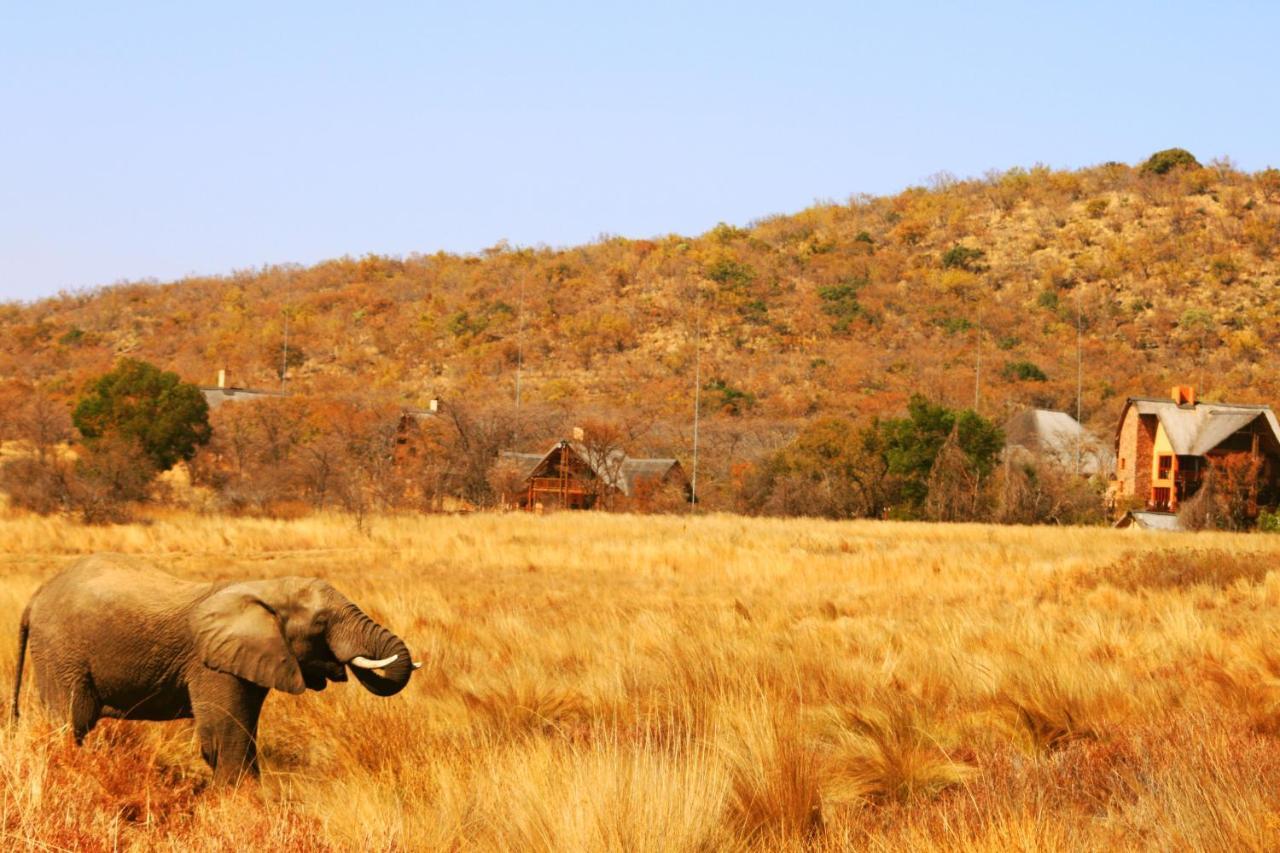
113 636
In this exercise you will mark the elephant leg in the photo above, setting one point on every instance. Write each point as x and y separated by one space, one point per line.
69 698
86 707
226 711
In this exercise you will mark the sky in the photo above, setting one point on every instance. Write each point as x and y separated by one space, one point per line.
150 141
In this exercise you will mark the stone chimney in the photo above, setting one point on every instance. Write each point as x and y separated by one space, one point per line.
222 379
1184 395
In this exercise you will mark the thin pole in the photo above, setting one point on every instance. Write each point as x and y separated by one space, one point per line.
977 372
1079 374
520 343
697 391
284 353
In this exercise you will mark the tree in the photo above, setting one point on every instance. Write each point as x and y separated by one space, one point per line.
167 417
1227 499
1163 162
831 469
912 445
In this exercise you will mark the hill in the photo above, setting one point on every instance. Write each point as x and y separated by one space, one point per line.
841 309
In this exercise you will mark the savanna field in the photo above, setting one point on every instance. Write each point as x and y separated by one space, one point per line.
597 682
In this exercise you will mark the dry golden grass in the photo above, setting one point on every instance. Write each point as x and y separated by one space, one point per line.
597 682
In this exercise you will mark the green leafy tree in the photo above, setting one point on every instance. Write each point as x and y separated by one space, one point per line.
168 418
1163 162
912 444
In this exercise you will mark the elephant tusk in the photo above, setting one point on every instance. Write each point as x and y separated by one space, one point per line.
365 663
417 664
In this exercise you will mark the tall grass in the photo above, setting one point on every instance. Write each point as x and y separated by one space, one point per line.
597 682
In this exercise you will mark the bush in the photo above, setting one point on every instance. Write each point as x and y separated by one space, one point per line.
732 401
1039 491
42 486
964 258
101 486
1163 162
112 475
1023 370
840 302
1226 496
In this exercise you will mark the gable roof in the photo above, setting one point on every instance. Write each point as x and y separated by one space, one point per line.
1195 430
1056 435
617 470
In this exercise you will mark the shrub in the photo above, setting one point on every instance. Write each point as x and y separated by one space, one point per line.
730 273
1163 162
1269 521
42 486
732 401
1226 497
963 257
1024 371
840 302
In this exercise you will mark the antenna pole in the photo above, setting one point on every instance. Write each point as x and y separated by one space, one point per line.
977 371
1079 373
520 343
284 352
697 391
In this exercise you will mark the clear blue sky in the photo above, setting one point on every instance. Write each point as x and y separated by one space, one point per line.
156 140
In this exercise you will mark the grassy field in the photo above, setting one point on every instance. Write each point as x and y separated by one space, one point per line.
596 682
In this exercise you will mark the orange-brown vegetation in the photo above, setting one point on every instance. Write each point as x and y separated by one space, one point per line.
842 309
612 682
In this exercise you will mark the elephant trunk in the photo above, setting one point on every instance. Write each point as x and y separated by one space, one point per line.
355 635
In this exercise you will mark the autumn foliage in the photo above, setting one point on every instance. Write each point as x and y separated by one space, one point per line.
967 292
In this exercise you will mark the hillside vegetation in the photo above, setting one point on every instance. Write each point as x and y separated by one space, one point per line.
602 682
842 309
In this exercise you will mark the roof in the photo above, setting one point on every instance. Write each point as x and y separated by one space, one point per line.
525 463
1197 429
215 396
618 470
1058 436
1144 520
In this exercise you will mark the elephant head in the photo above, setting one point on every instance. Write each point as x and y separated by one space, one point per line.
292 634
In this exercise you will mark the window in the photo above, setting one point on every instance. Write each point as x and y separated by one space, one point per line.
1160 498
1121 463
1163 466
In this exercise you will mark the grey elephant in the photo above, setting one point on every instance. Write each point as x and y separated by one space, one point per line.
112 636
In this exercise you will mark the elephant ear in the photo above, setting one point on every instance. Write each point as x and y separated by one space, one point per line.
237 633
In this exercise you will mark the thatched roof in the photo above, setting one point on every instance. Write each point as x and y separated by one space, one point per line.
1056 436
618 470
1196 429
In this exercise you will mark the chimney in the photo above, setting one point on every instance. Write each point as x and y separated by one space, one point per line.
579 434
222 379
1184 395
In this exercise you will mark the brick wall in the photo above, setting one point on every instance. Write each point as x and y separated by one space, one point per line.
1133 455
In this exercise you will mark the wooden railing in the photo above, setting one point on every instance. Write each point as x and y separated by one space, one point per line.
555 484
